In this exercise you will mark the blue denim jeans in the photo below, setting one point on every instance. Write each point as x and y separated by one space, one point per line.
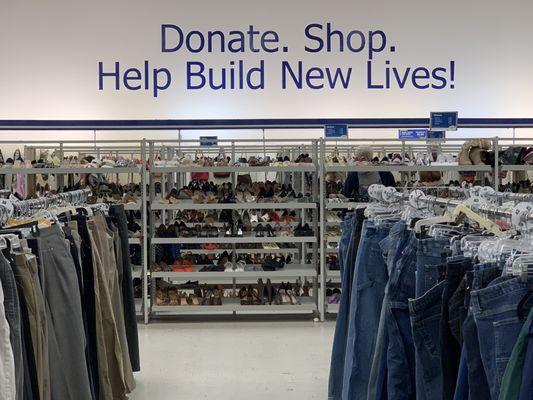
456 269
431 253
425 322
391 248
496 314
479 387
461 388
349 242
526 390
368 289
401 351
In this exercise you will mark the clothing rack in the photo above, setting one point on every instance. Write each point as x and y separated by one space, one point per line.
521 215
10 208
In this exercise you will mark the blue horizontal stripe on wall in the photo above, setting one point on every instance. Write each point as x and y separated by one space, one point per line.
253 123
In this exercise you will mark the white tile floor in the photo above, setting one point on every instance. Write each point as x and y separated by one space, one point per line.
235 360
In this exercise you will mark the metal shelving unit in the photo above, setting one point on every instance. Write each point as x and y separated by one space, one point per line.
99 148
177 176
317 246
384 146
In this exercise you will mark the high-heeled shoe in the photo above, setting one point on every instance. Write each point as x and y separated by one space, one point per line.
269 292
261 290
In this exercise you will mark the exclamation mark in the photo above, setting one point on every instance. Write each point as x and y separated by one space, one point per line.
452 74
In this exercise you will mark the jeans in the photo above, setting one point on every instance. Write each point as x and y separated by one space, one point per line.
425 321
401 383
430 253
451 349
368 288
495 311
389 247
479 387
12 313
512 379
462 387
349 242
526 391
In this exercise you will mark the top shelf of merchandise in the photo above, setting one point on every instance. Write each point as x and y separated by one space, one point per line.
308 167
71 170
406 168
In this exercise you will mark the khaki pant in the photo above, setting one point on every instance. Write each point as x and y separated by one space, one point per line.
116 375
28 280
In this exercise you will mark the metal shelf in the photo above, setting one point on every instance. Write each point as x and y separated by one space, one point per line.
516 167
70 170
346 205
230 305
289 271
303 167
245 239
332 308
406 168
134 241
333 274
133 206
138 306
243 251
189 205
136 271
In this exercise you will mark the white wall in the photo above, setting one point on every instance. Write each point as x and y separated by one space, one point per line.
50 52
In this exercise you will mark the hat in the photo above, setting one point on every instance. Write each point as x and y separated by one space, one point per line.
364 152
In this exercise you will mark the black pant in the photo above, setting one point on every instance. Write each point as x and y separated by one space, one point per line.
79 273
130 317
31 385
89 301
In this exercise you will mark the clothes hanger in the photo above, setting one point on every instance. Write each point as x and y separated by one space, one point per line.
462 210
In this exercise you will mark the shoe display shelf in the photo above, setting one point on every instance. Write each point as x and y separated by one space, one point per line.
60 163
169 172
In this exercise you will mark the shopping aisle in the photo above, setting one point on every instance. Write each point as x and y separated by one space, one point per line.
234 360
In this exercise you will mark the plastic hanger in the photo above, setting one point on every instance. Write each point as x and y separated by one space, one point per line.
488 225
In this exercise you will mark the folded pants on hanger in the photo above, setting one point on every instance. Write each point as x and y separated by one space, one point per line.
28 280
69 377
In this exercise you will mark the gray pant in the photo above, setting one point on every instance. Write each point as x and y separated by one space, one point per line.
69 378
7 364
12 311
